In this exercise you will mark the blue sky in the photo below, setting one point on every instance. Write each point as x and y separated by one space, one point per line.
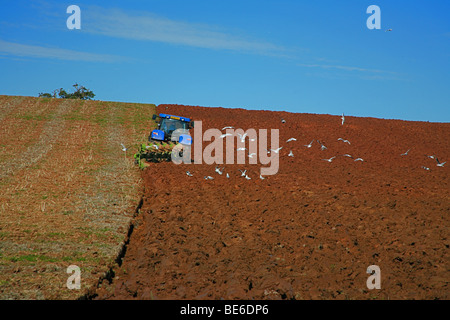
296 56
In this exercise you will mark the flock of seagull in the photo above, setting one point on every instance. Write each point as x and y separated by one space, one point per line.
242 137
291 154
439 164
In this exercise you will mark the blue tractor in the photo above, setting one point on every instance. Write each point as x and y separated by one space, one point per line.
171 131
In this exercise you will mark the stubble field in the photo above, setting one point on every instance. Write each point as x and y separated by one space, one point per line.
67 191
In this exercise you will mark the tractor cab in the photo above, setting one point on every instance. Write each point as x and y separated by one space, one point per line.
172 129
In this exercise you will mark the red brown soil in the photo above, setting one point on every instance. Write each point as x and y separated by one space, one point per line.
308 232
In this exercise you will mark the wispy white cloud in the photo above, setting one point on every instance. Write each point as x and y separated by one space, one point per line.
147 26
25 50
345 72
346 68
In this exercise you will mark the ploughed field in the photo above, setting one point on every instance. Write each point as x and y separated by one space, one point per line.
308 232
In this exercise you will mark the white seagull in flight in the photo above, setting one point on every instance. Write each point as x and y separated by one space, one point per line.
224 135
406 153
347 155
243 172
309 145
343 140
329 160
291 139
242 137
343 119
322 146
276 150
440 164
124 149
